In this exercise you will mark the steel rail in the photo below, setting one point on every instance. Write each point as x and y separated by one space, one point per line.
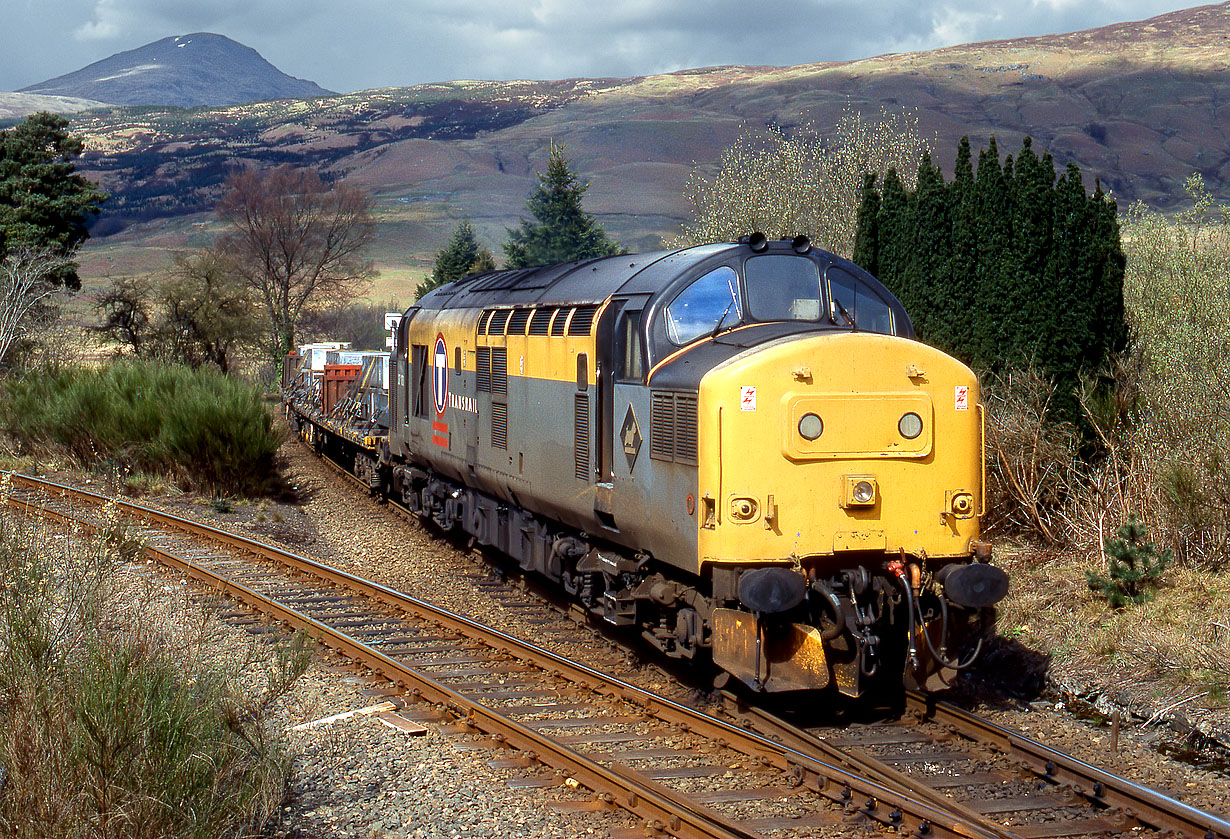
662 808
782 731
1096 785
886 804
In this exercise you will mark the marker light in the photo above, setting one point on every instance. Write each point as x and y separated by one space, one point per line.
811 426
910 426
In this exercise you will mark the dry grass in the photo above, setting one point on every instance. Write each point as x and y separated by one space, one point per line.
1169 649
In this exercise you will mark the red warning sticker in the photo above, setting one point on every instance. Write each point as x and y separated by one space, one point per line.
747 398
962 397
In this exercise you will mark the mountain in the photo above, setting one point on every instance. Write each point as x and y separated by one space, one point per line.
185 71
1139 106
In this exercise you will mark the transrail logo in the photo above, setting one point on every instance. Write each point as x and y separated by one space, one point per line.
440 376
462 403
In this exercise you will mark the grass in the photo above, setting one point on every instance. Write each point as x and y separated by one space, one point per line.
1175 646
202 429
123 713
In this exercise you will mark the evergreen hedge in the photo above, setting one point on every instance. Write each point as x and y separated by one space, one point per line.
205 429
1005 267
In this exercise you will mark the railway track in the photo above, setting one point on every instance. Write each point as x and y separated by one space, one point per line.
678 771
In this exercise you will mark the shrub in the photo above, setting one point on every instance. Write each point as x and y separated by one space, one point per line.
117 721
1134 567
197 426
1031 457
1177 291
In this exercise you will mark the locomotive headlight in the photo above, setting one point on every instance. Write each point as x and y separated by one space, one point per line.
858 491
863 492
811 426
910 425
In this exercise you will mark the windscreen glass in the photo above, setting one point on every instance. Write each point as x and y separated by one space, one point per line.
854 305
702 307
782 287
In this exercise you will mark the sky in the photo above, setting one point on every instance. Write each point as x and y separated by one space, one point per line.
347 45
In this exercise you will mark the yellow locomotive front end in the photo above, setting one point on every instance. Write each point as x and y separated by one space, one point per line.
839 513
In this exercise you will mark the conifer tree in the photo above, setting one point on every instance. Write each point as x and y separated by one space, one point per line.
866 242
893 249
43 203
462 255
963 257
993 327
1135 567
930 252
562 230
1005 267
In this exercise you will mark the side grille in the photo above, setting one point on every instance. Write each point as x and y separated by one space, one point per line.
662 426
517 321
557 326
483 321
580 445
582 320
499 425
673 427
499 370
498 321
541 322
482 363
685 429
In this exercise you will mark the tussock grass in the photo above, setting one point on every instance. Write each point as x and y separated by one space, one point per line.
202 429
118 718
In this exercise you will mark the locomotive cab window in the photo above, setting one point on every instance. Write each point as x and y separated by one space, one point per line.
707 304
782 287
853 305
631 350
422 380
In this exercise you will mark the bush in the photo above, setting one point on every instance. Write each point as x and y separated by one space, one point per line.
197 426
1177 291
1134 568
1031 457
118 722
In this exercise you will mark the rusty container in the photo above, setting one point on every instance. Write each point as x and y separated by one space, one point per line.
291 366
337 380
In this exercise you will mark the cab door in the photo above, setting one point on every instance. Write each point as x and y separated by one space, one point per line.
622 409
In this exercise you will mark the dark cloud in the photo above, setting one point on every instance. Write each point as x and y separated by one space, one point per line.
378 43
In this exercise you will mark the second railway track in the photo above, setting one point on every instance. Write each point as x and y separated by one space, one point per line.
679 771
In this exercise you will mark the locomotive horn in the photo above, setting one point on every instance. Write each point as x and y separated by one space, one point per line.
757 242
801 244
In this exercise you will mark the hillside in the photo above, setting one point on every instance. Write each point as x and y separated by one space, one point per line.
1137 105
184 71
14 106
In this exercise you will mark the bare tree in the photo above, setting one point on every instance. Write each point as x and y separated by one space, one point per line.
29 280
297 242
199 312
784 184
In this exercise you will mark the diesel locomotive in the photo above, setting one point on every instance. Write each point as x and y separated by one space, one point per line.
737 448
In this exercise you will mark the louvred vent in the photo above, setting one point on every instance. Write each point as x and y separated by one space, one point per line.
499 425
673 427
580 446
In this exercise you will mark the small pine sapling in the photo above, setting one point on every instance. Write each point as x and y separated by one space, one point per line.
1135 567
